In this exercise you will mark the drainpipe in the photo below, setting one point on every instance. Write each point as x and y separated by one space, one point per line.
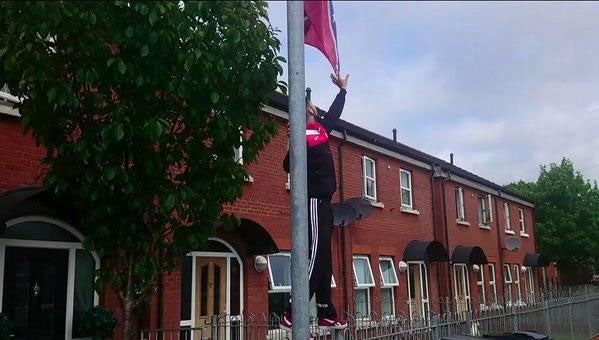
434 223
343 245
500 248
449 271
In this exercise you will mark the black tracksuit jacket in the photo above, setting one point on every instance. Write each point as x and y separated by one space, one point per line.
322 182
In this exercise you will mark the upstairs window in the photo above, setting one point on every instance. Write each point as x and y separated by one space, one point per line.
459 204
369 171
405 182
484 210
521 221
506 211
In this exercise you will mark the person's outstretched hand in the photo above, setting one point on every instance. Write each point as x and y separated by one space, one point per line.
340 82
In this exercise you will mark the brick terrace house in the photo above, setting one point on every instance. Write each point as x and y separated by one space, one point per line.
435 241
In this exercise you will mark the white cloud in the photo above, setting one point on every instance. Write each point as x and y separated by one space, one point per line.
505 86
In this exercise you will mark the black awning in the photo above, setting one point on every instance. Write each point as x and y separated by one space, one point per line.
10 199
427 251
468 255
536 260
256 238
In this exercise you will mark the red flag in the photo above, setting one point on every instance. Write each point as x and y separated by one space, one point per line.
320 30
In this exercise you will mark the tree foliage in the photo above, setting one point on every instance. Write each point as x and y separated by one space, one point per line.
567 216
139 106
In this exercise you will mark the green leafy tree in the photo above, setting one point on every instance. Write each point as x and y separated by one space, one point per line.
567 218
139 106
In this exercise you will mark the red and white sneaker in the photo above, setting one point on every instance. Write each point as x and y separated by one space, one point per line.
285 322
335 323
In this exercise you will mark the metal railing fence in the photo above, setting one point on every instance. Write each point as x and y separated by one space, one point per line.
570 313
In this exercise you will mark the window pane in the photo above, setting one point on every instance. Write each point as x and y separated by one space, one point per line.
387 301
363 273
405 180
235 275
388 272
186 288
39 231
361 302
85 267
281 270
406 197
369 165
278 303
370 187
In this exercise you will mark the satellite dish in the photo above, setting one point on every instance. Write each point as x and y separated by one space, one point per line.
512 243
343 214
361 205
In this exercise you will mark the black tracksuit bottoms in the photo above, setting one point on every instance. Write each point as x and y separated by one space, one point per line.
320 263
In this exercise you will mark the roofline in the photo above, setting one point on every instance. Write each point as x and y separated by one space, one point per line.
280 102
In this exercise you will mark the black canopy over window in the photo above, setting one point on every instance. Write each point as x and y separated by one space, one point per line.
468 255
536 260
426 251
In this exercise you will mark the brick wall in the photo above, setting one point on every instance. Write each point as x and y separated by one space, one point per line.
386 232
19 158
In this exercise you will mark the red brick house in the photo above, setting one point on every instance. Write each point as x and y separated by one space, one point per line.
435 231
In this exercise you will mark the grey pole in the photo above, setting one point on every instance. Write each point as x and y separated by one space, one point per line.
297 158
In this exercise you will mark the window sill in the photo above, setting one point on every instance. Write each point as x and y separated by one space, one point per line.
375 204
484 226
249 179
524 235
462 222
409 211
510 232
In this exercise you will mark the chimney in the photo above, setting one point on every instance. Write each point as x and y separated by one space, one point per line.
394 135
308 93
451 158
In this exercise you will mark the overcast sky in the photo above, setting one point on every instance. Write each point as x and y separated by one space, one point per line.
504 86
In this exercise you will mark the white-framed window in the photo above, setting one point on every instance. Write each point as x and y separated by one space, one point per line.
418 301
459 204
279 272
529 284
507 277
279 282
492 283
484 210
388 282
238 152
521 221
506 212
363 280
405 183
369 172
480 286
461 285
517 282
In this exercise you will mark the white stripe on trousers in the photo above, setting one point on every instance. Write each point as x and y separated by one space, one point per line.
314 225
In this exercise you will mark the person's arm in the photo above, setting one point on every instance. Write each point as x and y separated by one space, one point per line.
332 116
336 108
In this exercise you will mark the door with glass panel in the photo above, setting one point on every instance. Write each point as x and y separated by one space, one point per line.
35 292
461 288
211 292
418 301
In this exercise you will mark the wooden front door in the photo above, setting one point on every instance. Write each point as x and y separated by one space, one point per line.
210 295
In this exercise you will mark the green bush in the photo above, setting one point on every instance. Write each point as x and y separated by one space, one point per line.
98 323
5 327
